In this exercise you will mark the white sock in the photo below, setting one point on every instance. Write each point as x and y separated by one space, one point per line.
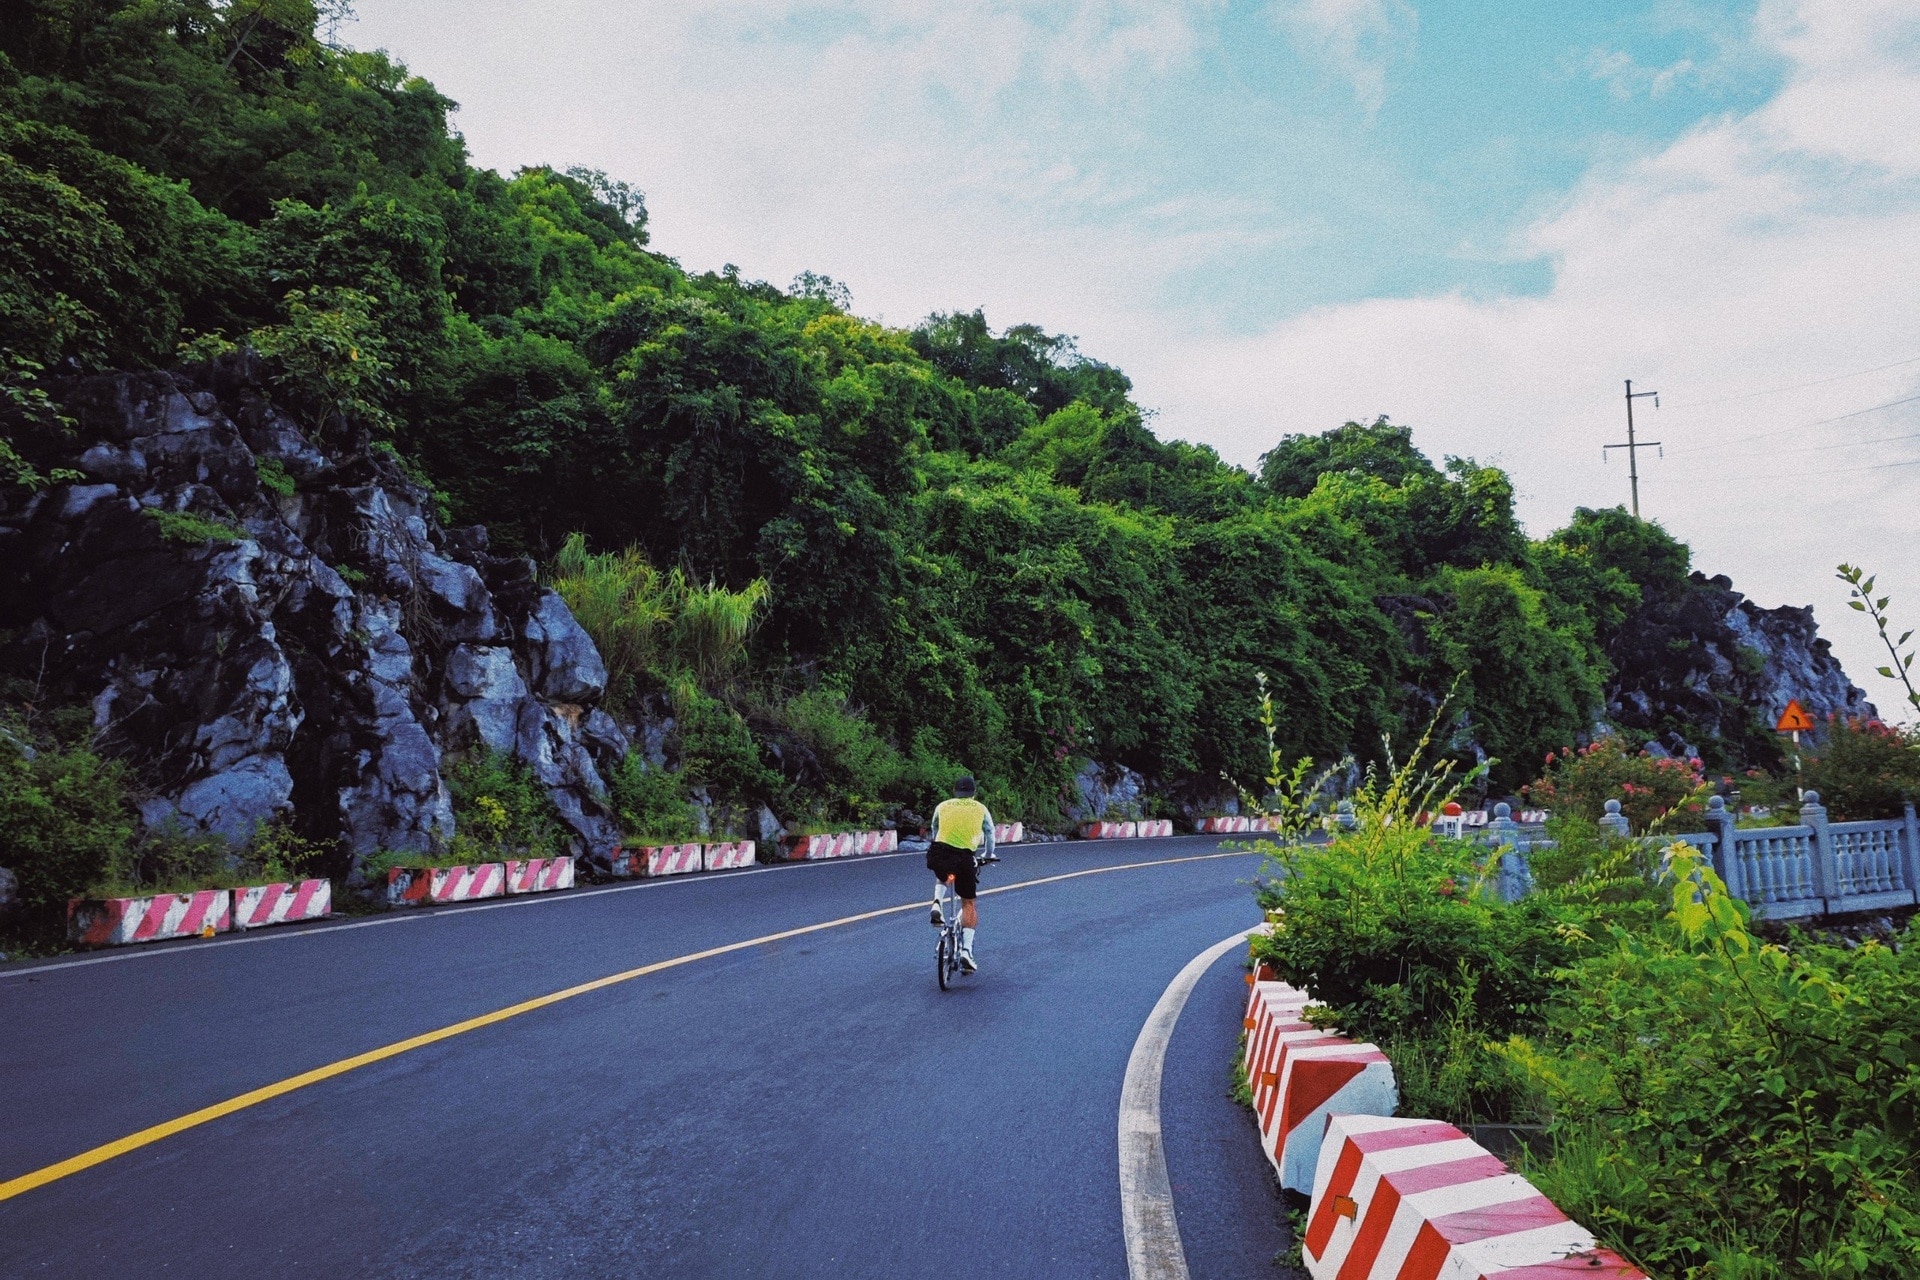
966 941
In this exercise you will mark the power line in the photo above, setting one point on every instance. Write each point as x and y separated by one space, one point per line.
1798 386
1845 444
1805 426
1878 466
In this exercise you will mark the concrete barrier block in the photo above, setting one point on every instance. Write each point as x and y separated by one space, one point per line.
841 844
114 922
1009 832
1395 1199
1299 1075
726 855
1320 1079
419 886
539 875
632 861
255 906
1150 828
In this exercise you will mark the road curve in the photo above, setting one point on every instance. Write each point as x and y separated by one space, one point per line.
811 1106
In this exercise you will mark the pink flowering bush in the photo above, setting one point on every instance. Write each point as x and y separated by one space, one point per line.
1863 768
1580 781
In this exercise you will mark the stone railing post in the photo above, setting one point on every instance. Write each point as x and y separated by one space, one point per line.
1615 821
1910 852
1826 866
1515 878
1723 824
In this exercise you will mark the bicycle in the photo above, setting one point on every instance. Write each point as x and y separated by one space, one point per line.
946 952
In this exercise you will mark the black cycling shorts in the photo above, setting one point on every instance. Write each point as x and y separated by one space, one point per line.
945 860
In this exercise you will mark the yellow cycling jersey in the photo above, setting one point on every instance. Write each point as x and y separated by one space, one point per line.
961 823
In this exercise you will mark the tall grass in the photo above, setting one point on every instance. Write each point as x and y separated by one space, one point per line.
652 626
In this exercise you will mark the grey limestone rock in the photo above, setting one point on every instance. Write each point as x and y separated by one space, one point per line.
567 666
1106 791
320 664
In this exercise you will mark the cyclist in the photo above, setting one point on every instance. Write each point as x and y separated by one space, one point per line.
962 829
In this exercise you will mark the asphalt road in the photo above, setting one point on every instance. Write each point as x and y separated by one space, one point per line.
806 1107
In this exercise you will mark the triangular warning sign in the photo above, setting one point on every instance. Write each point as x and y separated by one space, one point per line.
1794 719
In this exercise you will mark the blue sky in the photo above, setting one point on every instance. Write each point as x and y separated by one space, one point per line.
1277 216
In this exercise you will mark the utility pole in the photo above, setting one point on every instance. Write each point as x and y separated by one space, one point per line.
1632 448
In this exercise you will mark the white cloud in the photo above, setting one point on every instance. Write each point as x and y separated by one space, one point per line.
1758 251
1626 78
1359 39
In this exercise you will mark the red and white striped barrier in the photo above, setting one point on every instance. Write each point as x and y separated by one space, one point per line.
1009 832
1397 1198
418 886
115 922
539 875
658 860
257 905
1233 824
726 855
842 844
1300 1075
1142 829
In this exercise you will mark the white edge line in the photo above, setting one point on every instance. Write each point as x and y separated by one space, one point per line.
452 910
1152 1232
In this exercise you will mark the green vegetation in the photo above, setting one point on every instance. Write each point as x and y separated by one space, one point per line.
195 530
1720 1107
1712 1106
64 819
1863 769
274 477
500 811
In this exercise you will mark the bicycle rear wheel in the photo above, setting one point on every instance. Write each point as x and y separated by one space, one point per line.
943 959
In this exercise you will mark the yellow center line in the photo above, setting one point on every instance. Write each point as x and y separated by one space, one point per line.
254 1097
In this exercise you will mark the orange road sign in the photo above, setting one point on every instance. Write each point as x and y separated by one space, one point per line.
1794 719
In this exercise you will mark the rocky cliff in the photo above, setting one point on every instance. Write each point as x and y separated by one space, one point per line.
272 624
1715 665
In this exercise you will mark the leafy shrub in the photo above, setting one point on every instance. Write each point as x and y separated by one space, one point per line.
1864 769
717 750
1649 788
500 811
858 771
330 356
1726 1108
652 804
64 819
